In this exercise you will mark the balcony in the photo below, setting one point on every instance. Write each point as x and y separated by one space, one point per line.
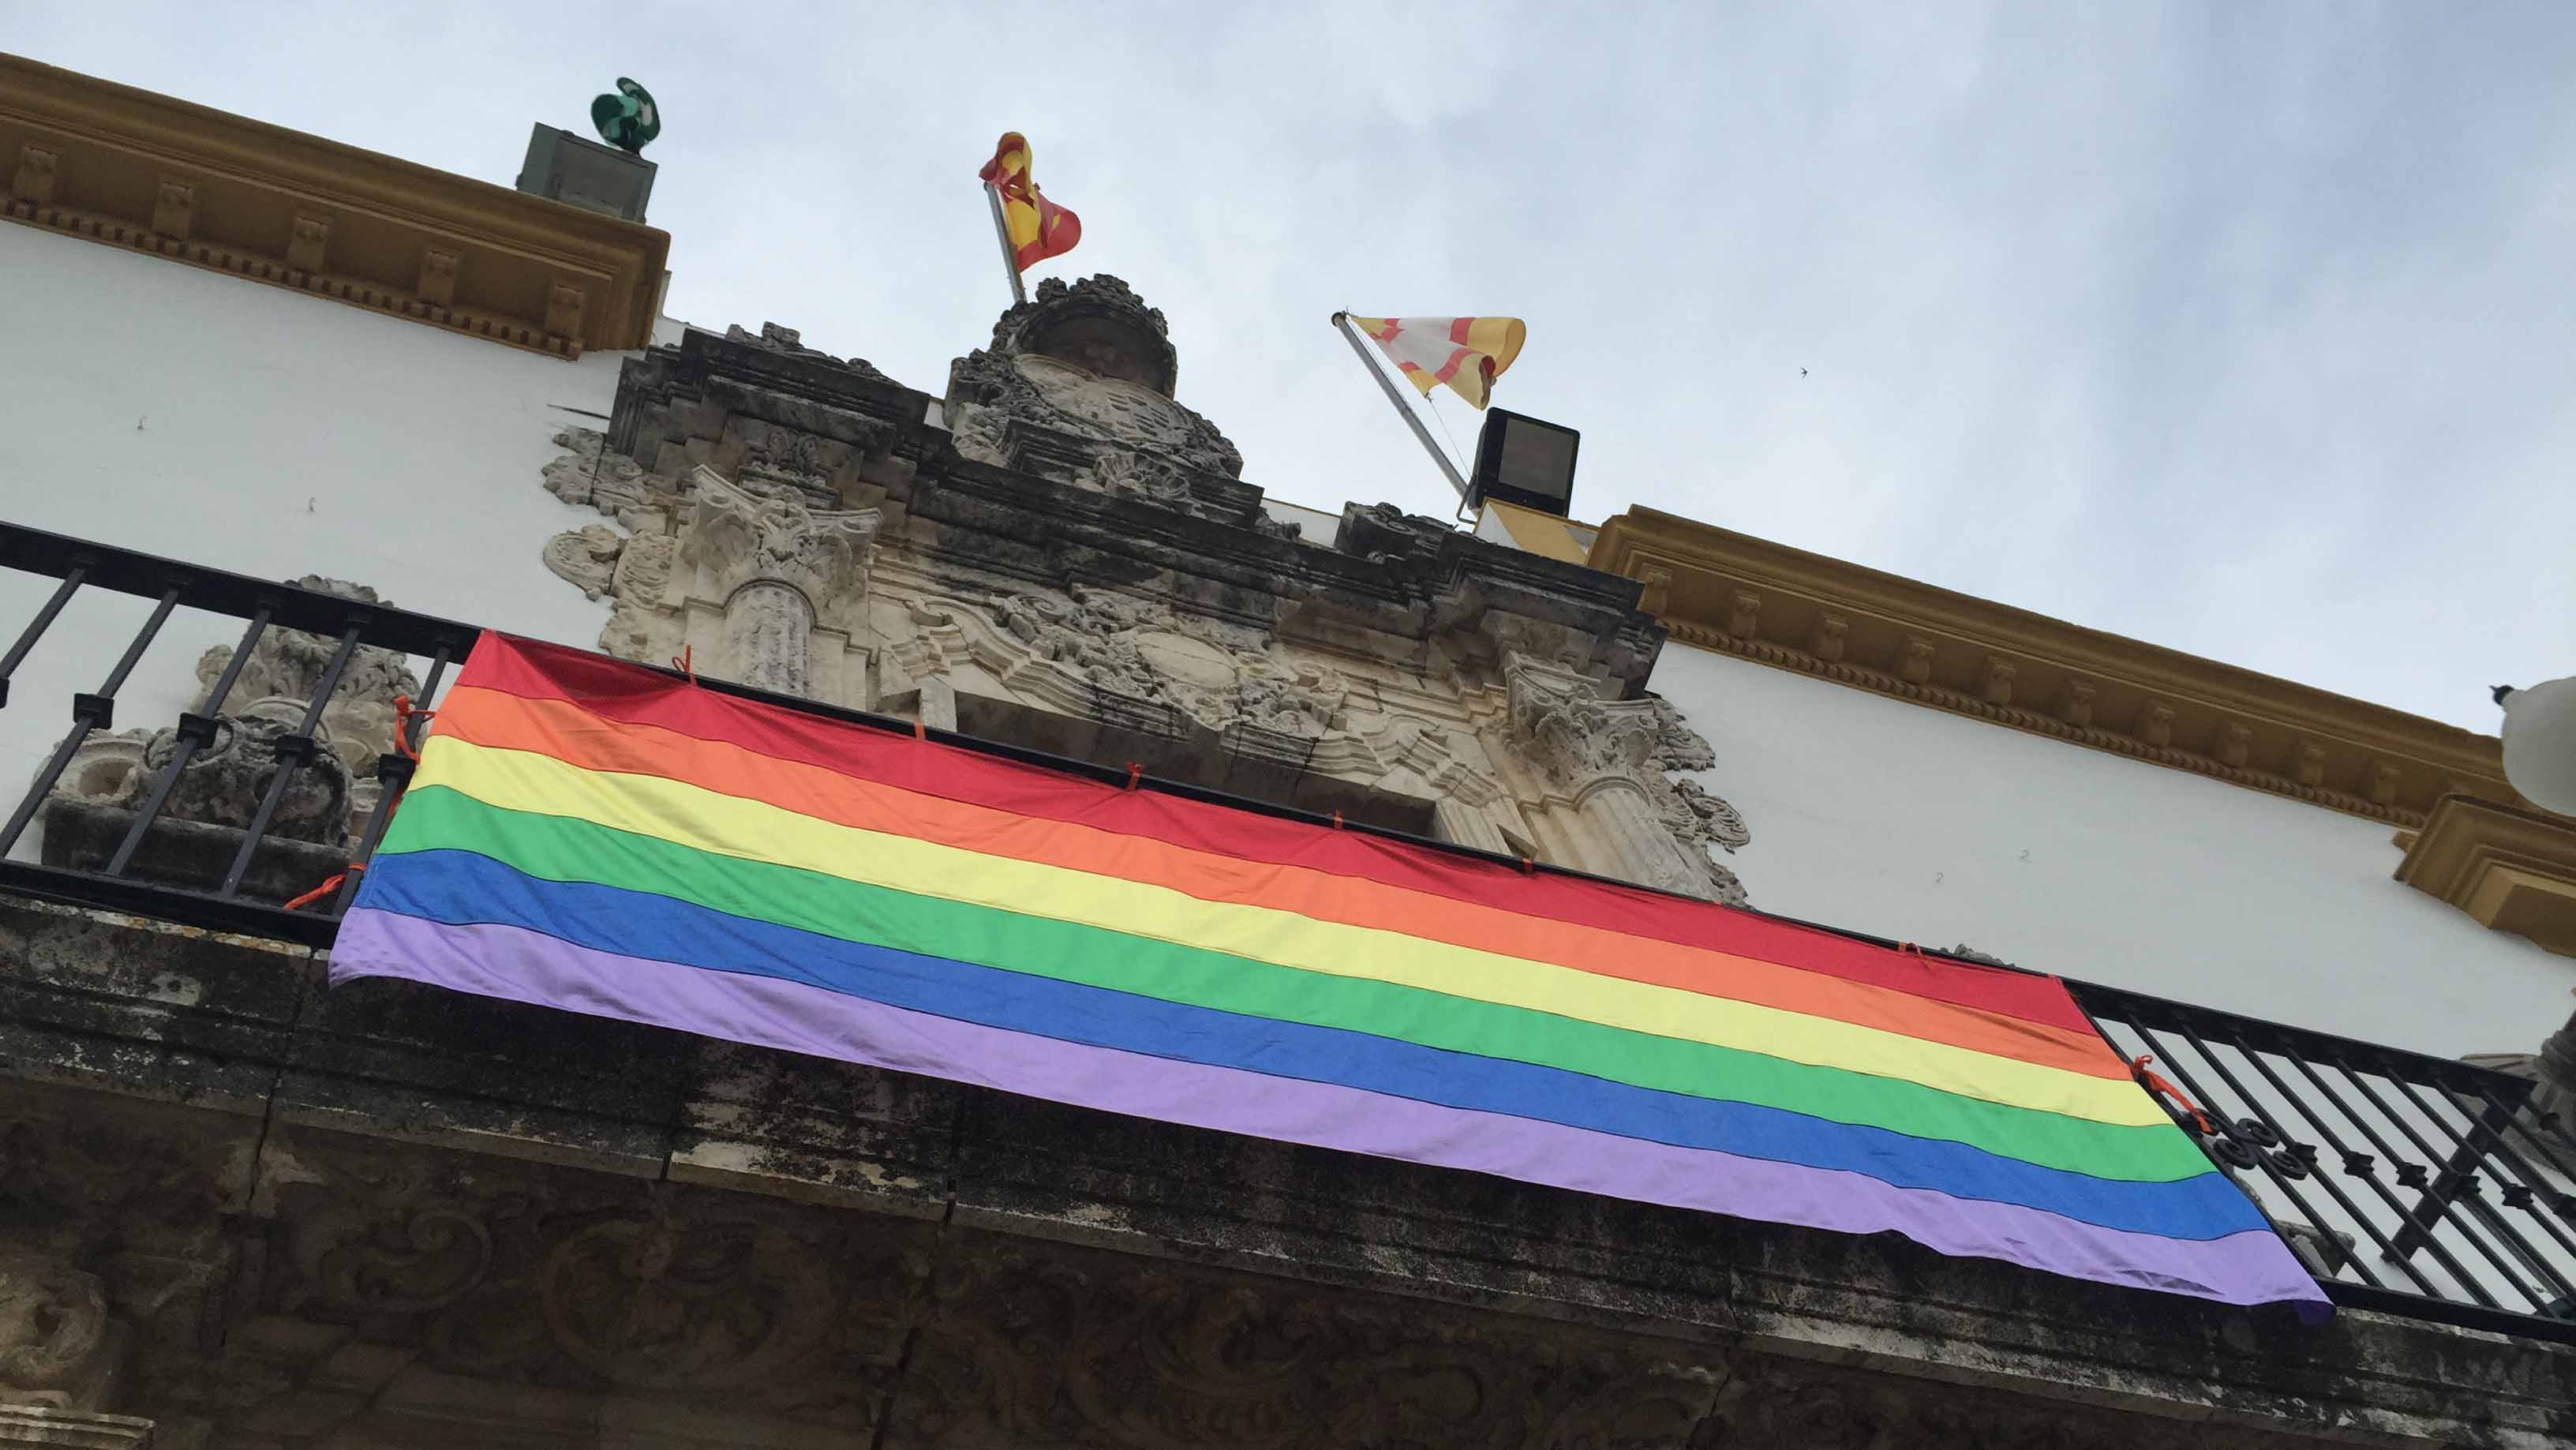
407 1217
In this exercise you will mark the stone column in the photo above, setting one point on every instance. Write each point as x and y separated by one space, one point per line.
1624 817
770 629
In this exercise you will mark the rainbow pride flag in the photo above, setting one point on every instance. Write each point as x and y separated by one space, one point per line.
589 835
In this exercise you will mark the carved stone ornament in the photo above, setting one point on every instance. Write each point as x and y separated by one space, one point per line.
757 553
1028 1351
1383 533
1220 676
754 533
1098 324
1617 760
792 342
225 779
224 782
289 664
546 1279
589 475
1078 387
1779 1404
58 1346
779 566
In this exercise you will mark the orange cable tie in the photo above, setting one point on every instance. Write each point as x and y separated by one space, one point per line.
329 885
405 713
2154 1082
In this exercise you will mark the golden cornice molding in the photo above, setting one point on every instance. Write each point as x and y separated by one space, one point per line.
93 159
2509 868
1724 591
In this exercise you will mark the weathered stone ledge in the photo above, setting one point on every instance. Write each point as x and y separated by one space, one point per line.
275 1157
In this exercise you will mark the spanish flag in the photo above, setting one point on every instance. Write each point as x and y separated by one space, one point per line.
1038 228
1467 353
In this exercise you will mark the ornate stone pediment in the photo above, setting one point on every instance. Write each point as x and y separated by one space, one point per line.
800 522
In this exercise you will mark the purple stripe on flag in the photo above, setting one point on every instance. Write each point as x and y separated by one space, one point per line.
2253 1267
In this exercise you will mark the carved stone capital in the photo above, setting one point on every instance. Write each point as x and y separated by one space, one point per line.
738 537
1616 760
1574 734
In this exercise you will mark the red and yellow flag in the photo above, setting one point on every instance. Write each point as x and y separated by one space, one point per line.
1467 353
1038 228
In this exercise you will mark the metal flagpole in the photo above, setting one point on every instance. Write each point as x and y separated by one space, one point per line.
1002 231
1342 320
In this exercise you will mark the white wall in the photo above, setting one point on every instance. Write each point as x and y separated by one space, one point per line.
226 423
1907 822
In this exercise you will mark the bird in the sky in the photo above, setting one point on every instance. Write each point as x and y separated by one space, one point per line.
1802 372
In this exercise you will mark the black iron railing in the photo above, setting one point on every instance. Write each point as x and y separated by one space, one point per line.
260 606
2412 1184
2408 1183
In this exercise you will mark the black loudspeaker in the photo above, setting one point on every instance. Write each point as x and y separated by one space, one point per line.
1523 461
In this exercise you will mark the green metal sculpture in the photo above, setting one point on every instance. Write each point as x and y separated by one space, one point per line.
628 120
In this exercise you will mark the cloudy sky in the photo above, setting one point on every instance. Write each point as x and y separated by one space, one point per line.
2248 329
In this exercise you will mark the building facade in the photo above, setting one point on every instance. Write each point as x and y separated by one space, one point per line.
1966 772
244 1211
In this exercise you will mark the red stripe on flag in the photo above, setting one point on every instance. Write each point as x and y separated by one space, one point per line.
616 690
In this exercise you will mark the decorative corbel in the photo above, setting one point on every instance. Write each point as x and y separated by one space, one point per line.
2308 764
1658 592
173 208
438 276
2384 779
1740 622
1999 681
564 306
1917 669
2235 742
1830 632
2076 708
34 183
308 242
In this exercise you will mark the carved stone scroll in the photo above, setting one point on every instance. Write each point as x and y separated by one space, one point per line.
58 1346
